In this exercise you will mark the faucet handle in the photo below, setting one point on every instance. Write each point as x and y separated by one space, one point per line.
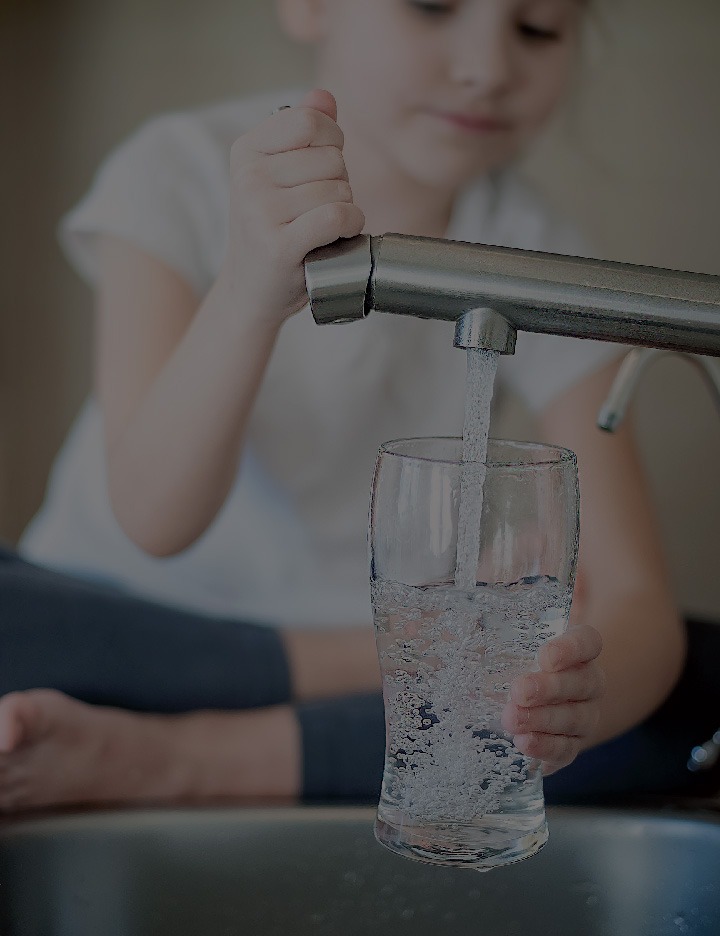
337 278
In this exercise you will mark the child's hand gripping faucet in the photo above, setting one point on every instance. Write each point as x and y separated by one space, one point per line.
290 193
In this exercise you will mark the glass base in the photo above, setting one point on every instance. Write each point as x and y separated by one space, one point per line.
480 846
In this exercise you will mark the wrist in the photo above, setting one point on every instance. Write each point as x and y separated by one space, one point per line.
238 312
328 664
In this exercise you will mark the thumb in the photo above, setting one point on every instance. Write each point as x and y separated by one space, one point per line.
322 101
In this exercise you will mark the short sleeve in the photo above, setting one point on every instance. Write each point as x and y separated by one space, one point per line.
162 190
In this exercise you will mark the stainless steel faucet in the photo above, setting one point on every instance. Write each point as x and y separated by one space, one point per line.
631 370
492 292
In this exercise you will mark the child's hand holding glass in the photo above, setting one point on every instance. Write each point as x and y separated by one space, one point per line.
553 713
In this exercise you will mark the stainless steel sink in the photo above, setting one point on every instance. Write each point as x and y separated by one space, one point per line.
296 871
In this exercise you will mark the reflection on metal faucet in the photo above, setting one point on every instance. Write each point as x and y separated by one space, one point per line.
631 370
484 328
529 290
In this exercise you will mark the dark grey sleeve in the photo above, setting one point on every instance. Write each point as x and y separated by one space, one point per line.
343 744
106 647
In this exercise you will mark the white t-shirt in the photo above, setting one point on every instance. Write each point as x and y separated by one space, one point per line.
289 545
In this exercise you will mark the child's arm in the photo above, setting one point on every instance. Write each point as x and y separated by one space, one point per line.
177 378
585 696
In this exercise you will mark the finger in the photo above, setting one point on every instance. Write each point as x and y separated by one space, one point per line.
575 719
579 644
578 684
296 201
323 225
312 164
321 100
291 129
556 750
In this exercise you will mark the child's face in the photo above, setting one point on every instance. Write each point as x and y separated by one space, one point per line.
445 89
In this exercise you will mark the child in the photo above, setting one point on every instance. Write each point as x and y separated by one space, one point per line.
224 461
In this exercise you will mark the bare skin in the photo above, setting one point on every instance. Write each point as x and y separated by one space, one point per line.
328 664
157 342
55 750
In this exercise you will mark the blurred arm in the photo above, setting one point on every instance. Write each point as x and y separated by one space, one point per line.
623 587
176 379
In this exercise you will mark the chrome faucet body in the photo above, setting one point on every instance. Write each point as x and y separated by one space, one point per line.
515 290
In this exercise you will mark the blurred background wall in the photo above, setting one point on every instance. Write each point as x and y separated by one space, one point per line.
633 159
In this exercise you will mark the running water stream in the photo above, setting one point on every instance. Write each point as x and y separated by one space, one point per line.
481 368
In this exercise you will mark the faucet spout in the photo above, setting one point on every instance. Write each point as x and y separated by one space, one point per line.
486 329
631 371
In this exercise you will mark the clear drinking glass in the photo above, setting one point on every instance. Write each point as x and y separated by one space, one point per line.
455 789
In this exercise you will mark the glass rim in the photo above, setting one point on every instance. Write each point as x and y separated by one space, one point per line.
562 456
